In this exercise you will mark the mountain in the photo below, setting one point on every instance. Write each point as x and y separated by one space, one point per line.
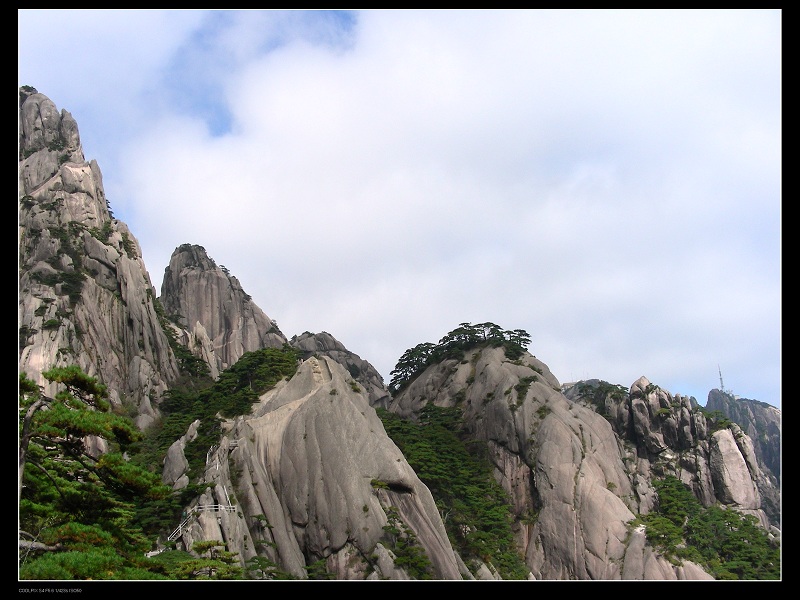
281 448
217 320
85 296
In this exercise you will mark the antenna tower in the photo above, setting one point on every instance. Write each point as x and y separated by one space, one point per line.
721 387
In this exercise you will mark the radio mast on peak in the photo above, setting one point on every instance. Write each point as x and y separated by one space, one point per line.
721 387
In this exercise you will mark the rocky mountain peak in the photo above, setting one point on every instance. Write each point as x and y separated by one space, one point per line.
219 319
85 295
324 344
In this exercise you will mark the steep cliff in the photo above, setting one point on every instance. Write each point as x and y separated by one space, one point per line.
311 475
759 420
85 296
218 320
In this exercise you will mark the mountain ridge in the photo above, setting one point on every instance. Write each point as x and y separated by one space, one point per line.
312 457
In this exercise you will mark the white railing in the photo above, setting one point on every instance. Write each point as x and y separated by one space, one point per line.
200 508
208 454
216 507
177 533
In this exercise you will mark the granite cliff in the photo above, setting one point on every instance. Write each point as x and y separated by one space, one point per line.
759 420
85 296
217 320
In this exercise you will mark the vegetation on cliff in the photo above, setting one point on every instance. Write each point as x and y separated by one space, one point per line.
78 509
728 544
84 515
474 508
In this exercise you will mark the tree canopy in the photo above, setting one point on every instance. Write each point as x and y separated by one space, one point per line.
453 345
80 495
76 503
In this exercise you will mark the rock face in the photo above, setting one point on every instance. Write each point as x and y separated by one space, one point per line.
760 438
584 460
85 296
759 420
311 475
220 321
324 344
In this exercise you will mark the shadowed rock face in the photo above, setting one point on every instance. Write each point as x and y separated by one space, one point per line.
85 295
759 420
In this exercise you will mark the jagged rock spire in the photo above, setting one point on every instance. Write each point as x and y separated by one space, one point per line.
220 319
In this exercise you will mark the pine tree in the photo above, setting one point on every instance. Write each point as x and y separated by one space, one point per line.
77 504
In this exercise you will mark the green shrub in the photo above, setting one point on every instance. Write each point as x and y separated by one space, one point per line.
523 385
409 554
728 544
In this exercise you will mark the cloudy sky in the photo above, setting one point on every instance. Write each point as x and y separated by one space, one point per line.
609 181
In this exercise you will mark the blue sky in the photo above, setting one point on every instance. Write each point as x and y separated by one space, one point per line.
609 181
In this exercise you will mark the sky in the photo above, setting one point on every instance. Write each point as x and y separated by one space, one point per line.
608 181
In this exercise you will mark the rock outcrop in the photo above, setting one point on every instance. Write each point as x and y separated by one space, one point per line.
85 296
219 320
759 420
311 475
324 344
760 439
